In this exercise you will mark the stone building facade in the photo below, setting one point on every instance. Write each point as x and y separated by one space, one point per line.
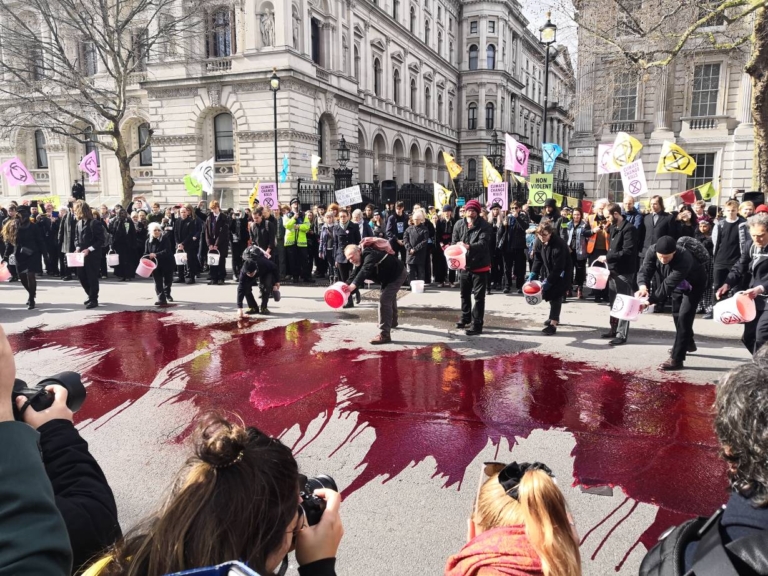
701 101
401 81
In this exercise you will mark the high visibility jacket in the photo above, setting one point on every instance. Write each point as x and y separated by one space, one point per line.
592 242
291 234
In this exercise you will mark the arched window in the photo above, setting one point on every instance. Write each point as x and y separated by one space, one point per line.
357 63
427 102
472 117
321 139
472 169
223 137
376 77
439 42
317 36
395 9
440 108
413 20
90 144
220 43
145 158
413 94
489 115
396 87
473 57
491 57
426 32
40 152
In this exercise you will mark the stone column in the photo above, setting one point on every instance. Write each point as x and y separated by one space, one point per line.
481 49
366 60
584 90
498 120
662 116
386 77
481 106
745 106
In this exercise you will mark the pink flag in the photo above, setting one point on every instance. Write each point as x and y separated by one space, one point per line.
90 165
16 173
516 156
605 163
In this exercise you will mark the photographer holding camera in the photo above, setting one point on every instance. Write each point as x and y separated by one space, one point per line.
240 497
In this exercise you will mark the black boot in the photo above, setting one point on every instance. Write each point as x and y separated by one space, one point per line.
31 304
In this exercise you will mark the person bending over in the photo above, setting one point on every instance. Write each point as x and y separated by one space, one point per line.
256 270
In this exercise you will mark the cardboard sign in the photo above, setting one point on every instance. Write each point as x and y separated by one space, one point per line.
498 193
540 189
349 196
633 179
268 195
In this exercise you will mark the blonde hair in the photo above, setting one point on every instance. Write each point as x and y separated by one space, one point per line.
540 507
213 205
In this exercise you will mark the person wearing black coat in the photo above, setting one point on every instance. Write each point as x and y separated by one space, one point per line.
256 270
159 249
238 228
397 222
124 243
658 223
187 231
26 244
476 235
685 280
217 239
345 233
89 239
754 261
552 262
622 263
263 232
66 240
416 239
511 240
443 236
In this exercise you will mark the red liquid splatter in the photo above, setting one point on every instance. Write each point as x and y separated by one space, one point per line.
655 440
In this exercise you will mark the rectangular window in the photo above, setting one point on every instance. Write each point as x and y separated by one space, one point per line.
492 26
90 59
706 83
473 27
145 158
627 20
439 13
706 10
615 188
624 97
472 118
705 170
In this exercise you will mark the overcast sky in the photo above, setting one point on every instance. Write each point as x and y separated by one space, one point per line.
536 12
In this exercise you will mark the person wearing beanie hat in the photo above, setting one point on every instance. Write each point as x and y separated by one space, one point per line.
683 278
760 209
256 269
476 236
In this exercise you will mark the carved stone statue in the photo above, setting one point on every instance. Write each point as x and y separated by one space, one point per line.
296 33
268 29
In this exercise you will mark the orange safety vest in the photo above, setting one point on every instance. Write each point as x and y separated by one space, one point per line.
593 239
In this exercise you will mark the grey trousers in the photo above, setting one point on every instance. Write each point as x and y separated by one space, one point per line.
620 284
388 303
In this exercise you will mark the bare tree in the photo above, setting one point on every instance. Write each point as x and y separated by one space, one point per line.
638 36
68 66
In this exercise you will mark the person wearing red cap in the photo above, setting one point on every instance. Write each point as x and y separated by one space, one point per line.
475 235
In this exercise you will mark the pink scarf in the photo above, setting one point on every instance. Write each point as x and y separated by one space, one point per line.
504 551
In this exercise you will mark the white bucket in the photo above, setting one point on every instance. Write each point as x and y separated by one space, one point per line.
456 256
627 307
146 267
336 296
737 310
213 258
113 258
75 260
597 277
417 286
532 292
180 257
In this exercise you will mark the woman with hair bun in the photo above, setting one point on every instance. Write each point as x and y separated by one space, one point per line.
158 248
520 527
237 498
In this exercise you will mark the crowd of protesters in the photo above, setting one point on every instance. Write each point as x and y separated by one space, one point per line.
717 253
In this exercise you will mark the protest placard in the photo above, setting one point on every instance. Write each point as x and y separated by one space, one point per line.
349 196
539 189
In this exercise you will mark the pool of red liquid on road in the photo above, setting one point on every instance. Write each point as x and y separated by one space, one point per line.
654 440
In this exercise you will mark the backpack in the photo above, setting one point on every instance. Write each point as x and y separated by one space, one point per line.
696 248
380 244
253 252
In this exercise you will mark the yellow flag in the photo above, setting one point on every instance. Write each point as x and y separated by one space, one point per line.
572 201
707 191
519 179
675 159
254 194
490 174
559 199
315 164
453 168
442 196
625 149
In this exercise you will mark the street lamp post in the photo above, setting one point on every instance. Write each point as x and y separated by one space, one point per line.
343 175
495 153
547 36
274 85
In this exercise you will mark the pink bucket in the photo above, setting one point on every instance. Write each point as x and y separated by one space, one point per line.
5 274
145 268
75 260
335 296
597 277
456 256
737 310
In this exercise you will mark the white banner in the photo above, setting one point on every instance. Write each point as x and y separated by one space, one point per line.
633 179
349 196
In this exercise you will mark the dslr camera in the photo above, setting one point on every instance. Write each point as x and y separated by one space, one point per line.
40 399
314 506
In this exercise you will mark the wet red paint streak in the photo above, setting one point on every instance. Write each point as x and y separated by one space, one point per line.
653 439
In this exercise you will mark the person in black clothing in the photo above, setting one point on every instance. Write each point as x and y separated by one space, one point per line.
9 222
385 269
257 270
682 277
686 221
753 261
416 239
238 228
657 224
66 239
551 261
396 225
217 239
160 250
513 248
550 213
476 235
25 242
443 237
345 233
187 231
124 243
622 263
729 239
89 239
496 220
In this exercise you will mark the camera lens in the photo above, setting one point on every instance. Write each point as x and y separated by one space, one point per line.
319 482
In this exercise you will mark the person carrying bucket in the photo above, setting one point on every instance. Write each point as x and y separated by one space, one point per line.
374 262
475 235
622 263
551 261
159 249
89 241
684 278
753 260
